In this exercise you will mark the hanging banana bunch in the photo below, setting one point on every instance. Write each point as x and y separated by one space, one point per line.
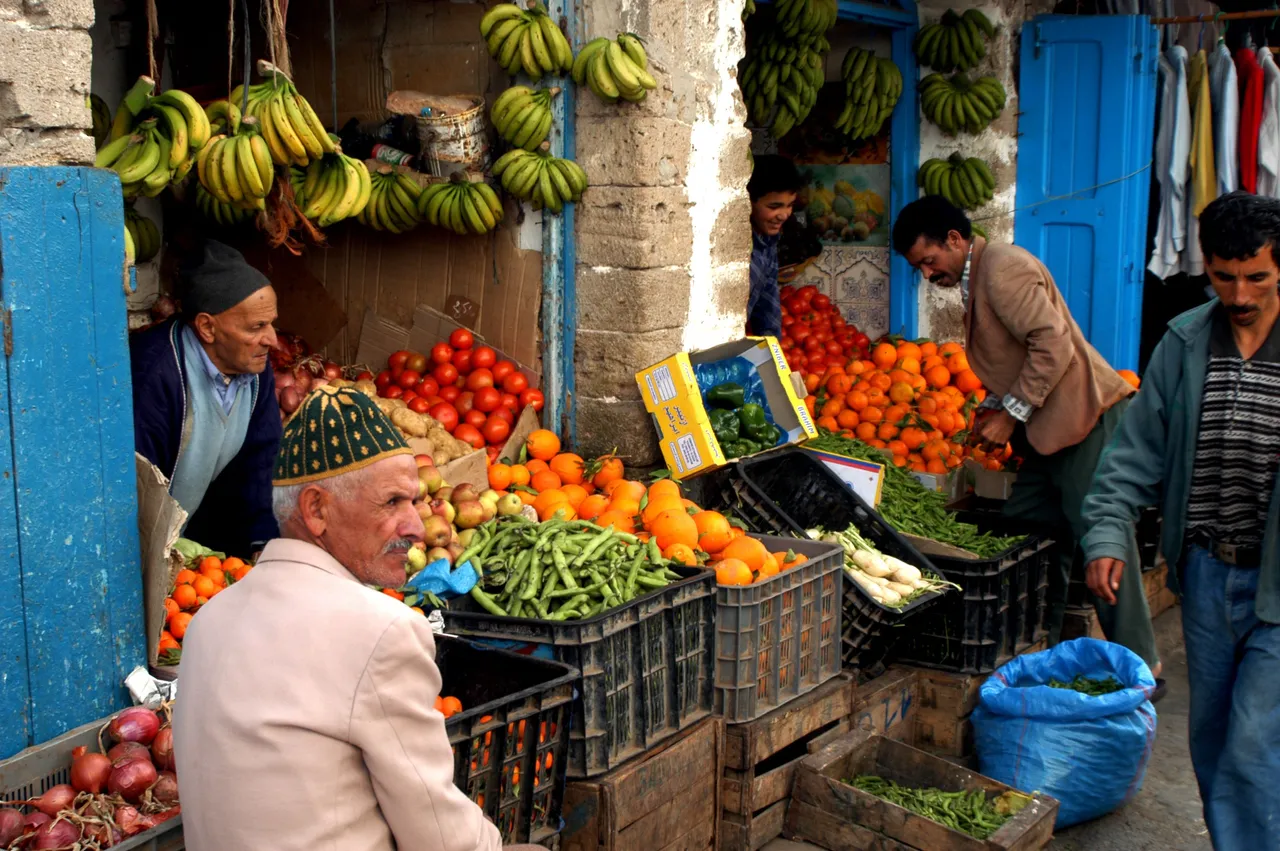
237 169
392 204
226 215
966 183
293 132
956 42
153 140
526 40
613 69
777 73
960 104
522 115
143 233
224 117
873 86
461 206
549 182
805 21
101 114
331 189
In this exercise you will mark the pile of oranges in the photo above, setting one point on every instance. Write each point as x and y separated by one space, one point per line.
915 400
192 588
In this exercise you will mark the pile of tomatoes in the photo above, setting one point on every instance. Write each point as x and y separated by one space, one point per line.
467 388
814 334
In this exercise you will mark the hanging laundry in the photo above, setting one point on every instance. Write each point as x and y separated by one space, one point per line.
1226 117
1269 131
1202 180
1173 146
1249 73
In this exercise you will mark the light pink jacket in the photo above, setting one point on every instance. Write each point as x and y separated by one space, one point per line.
304 719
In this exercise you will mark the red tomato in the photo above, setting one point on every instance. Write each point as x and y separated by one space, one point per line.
397 360
450 394
506 414
465 403
408 379
462 360
800 332
395 391
502 369
365 375
416 362
834 348
419 405
446 415
441 353
383 380
821 301
492 452
515 383
495 430
794 305
511 402
469 434
484 358
807 293
532 398
428 386
475 418
462 339
445 373
479 378
861 340
432 401
408 396
488 399
812 344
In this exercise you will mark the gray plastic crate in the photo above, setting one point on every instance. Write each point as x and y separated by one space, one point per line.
778 639
28 774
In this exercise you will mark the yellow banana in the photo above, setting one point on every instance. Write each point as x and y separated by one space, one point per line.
280 123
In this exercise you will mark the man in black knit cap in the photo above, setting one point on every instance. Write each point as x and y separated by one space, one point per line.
204 404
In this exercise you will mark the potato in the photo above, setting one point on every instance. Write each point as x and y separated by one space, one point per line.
341 382
399 403
368 388
441 457
385 406
409 422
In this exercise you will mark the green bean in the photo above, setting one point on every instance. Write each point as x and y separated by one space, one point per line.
966 811
487 602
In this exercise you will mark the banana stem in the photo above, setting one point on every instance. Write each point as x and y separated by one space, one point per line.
137 96
267 69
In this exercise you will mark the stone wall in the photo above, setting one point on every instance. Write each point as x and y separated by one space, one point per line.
45 63
663 237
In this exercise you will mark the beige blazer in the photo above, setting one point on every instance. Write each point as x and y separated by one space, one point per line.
1020 339
304 719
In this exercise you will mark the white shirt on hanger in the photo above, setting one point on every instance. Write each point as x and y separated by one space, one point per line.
1225 93
1173 149
1269 131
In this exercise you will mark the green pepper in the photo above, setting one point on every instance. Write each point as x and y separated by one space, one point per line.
736 448
772 435
725 425
755 426
728 395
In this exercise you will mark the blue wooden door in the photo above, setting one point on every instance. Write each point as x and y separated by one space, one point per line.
71 622
1087 96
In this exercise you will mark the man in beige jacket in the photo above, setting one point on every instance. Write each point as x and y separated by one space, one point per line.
305 719
1050 393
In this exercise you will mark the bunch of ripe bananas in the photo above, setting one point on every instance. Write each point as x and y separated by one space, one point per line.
152 140
237 169
392 204
873 86
527 40
804 21
966 183
955 43
960 104
522 115
461 206
293 132
615 69
549 182
227 215
142 233
332 188
785 75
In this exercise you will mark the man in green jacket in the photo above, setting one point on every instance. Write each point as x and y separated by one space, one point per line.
1202 437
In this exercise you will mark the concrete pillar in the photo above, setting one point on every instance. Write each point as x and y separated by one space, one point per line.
45 64
663 235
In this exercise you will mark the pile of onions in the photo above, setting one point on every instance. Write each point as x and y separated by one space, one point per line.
135 724
11 826
293 384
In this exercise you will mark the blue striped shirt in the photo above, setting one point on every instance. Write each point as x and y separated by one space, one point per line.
764 305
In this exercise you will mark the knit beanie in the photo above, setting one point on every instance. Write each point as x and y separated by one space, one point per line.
216 278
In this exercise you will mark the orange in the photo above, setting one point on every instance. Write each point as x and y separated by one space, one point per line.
217 576
1130 376
957 363
768 570
664 487
232 564
733 571
831 407
168 642
178 624
658 506
561 511
593 506
241 572
171 608
865 431
911 365
880 381
897 447
628 507
899 461
551 496
828 423
713 531
788 560
568 467
857 400
938 376
520 474
185 595
887 431
674 527
908 349
210 563
936 466
545 481
610 471
575 494
681 554
811 382
928 349
185 577
913 437
901 393
967 381
839 384
526 497
393 594
619 521
452 706
748 550
542 444
628 490
884 356
877 443
847 418
947 349
499 476
204 587
927 404
872 415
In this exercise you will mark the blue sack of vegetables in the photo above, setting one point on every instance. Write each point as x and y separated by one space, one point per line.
1074 722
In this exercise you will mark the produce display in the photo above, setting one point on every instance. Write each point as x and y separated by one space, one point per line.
966 182
889 581
462 206
333 188
813 331
293 132
153 139
961 104
956 42
780 80
1090 686
393 202
526 40
741 428
969 812
549 182
237 169
142 233
522 115
205 574
111 796
873 86
613 69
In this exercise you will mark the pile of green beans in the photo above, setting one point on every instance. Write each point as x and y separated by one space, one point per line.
968 812
1091 687
912 508
561 570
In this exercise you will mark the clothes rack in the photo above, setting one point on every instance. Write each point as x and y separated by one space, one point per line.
1221 16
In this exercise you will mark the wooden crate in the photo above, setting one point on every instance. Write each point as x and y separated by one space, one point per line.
887 703
761 757
1083 621
666 800
828 812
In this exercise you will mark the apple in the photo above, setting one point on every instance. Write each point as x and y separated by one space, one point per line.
445 493
470 514
424 460
454 550
417 559
464 493
429 478
437 553
509 505
489 508
465 537
440 508
437 532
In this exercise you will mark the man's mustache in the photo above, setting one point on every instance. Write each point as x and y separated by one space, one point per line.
401 546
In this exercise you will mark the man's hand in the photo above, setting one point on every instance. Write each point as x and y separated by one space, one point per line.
1103 578
995 429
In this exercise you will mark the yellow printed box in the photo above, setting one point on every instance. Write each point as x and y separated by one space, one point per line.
671 396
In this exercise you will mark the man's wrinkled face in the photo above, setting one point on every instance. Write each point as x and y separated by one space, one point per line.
941 263
1247 288
370 530
769 212
240 339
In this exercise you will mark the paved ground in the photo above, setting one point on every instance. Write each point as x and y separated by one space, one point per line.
1166 814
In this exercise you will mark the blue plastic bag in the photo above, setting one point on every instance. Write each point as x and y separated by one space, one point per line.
741 371
443 580
1090 753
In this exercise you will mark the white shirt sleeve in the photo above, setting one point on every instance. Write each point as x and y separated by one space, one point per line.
1226 119
1269 131
1173 147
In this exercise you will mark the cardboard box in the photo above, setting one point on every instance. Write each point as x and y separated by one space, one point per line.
865 478
160 522
671 395
990 484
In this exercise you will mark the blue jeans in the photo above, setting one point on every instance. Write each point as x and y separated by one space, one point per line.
1233 661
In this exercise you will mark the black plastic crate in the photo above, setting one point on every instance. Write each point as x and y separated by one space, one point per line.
512 737
790 491
647 667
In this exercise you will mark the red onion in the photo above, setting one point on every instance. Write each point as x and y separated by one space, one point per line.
135 724
302 380
104 835
11 826
89 772
33 821
128 750
56 834
54 800
165 789
130 778
332 371
79 751
163 308
128 819
290 399
283 380
162 749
